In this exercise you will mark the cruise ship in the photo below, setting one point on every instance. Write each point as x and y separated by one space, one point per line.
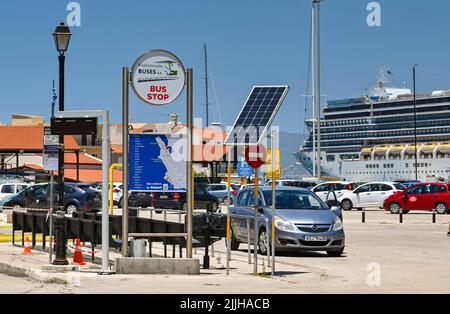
372 138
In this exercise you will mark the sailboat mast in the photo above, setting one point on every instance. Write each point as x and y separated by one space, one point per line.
319 172
313 93
206 85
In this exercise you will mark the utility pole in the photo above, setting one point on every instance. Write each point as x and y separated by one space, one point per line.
206 85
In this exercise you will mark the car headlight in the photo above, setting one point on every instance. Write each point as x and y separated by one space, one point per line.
338 225
282 224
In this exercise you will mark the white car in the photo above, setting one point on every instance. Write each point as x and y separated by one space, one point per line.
369 195
117 192
7 189
339 187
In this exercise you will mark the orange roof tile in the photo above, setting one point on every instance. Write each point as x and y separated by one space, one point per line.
28 138
117 148
84 159
90 175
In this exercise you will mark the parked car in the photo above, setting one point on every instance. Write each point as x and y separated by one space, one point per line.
117 192
303 222
322 190
38 196
8 189
369 195
138 199
422 196
177 200
220 191
409 183
295 183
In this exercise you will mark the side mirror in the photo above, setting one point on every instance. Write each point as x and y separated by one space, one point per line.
337 210
260 210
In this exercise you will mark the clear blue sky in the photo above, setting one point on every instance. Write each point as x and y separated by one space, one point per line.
249 42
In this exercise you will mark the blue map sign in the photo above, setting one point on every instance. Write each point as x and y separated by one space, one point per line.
244 169
157 163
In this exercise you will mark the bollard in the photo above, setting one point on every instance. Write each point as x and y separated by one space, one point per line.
401 215
434 216
363 215
61 241
448 232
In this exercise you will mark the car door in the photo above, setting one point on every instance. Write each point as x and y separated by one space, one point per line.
322 191
38 198
362 195
429 196
386 191
238 224
413 200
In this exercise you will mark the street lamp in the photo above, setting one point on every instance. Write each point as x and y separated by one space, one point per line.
61 36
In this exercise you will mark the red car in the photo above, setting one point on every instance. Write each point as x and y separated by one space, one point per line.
421 196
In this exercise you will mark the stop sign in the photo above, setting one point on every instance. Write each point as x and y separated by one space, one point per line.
255 156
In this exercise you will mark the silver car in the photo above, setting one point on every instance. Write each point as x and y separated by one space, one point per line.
303 222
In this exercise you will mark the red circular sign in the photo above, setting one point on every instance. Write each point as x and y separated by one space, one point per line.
255 156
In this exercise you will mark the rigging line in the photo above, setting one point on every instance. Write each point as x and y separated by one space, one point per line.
216 102
307 82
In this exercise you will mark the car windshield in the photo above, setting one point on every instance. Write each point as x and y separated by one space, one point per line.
294 199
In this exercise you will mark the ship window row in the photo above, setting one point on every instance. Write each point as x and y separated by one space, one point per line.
347 115
409 110
419 165
396 172
395 119
390 126
384 134
411 103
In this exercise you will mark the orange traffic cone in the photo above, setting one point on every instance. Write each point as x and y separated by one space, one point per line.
27 249
78 255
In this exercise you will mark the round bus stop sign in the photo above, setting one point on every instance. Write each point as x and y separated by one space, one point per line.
255 156
158 77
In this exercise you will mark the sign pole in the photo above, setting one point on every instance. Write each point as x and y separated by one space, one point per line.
105 208
50 217
274 186
125 93
228 214
255 231
190 176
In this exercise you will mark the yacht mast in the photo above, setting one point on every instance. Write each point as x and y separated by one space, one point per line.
319 171
313 93
206 86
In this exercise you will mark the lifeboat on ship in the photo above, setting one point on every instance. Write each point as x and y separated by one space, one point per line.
443 147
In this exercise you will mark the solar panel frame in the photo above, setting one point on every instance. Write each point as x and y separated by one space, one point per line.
267 124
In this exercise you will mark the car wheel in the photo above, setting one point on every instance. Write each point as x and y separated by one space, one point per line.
441 208
346 204
226 200
214 207
234 246
394 208
71 208
335 253
262 242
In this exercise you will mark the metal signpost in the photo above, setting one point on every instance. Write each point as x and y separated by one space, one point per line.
158 77
104 114
51 158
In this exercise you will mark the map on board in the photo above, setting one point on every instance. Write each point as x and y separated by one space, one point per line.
157 162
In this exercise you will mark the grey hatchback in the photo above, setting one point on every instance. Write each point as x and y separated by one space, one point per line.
303 222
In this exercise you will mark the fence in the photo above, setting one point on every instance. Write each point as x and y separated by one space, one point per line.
88 228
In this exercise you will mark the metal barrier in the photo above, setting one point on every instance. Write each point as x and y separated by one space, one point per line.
255 219
88 228
400 215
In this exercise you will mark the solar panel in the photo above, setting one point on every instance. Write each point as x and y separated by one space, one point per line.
256 115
